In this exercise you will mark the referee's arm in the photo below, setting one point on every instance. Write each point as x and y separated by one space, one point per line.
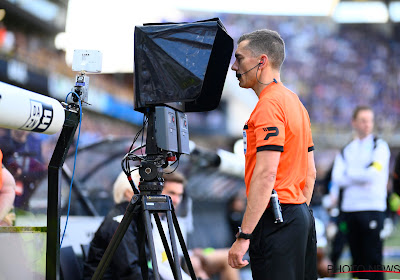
310 180
261 185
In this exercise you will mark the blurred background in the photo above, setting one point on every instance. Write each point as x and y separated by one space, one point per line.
340 54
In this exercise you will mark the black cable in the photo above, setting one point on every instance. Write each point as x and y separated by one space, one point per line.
176 161
130 156
136 137
273 81
145 121
141 130
125 161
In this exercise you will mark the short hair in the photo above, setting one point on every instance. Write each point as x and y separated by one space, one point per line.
268 42
175 176
358 109
121 184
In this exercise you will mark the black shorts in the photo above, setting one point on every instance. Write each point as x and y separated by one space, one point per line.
287 250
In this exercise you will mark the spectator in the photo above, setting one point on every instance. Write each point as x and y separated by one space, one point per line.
235 212
7 195
23 158
205 262
336 227
323 261
125 261
362 171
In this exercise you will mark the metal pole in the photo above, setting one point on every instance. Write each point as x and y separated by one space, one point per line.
54 194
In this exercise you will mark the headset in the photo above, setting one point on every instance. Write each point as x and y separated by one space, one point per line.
238 75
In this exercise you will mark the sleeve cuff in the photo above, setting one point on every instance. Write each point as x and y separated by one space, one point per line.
311 149
270 148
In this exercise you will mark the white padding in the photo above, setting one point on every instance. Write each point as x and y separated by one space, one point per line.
26 110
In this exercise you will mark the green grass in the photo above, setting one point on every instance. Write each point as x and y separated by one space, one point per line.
394 239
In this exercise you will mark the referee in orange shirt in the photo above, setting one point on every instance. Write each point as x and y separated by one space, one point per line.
279 154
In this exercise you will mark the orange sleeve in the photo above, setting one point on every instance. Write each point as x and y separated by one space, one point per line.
269 126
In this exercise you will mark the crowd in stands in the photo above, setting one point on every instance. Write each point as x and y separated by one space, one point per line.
334 67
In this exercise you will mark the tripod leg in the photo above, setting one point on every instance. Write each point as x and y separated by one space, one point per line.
149 233
165 243
183 246
141 241
173 244
117 237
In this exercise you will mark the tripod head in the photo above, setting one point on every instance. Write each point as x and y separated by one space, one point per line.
167 138
151 182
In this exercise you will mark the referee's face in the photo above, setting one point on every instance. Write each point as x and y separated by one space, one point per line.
363 124
246 64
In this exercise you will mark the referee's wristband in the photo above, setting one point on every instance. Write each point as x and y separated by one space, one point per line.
243 235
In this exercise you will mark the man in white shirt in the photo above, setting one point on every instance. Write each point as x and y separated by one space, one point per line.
361 170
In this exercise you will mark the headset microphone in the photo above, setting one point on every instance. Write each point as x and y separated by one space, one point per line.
238 75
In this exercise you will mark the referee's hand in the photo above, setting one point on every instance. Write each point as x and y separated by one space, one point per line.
236 253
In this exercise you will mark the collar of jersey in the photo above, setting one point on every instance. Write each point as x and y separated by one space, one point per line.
267 88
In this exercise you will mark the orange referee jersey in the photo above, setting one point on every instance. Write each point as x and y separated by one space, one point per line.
279 122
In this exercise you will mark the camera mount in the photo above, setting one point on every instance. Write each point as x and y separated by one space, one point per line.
84 61
179 67
162 146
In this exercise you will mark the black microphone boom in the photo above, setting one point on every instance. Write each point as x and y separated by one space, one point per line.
238 75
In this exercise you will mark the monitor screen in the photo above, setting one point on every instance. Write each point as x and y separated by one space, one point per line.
182 65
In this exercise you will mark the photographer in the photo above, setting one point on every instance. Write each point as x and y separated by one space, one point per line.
279 155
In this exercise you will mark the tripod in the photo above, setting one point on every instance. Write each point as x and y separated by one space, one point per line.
149 201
